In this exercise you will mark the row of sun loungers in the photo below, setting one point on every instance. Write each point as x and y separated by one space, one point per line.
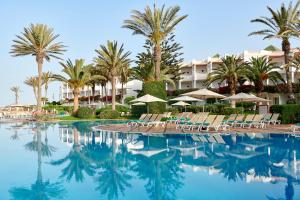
204 121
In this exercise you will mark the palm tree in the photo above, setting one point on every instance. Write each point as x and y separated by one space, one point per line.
96 78
38 40
231 70
155 25
47 78
16 90
33 82
261 69
112 58
77 77
281 26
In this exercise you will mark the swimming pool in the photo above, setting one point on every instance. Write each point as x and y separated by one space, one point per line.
70 161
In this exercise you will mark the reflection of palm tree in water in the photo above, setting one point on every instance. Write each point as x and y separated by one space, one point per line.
40 190
78 162
163 175
113 177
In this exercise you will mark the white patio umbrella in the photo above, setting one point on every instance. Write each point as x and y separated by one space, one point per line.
181 103
138 104
203 94
243 97
185 98
148 99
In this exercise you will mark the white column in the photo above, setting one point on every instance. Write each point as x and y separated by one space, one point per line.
179 84
67 90
292 76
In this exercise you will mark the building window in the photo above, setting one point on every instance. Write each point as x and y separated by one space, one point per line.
276 100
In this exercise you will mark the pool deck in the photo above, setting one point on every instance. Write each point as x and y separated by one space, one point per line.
171 129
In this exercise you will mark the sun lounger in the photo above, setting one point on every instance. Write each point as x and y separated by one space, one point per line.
201 119
157 121
230 119
142 117
147 119
216 124
248 119
274 119
267 117
209 120
239 119
193 120
255 122
295 127
174 119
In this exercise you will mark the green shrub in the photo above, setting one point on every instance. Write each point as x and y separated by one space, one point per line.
289 113
85 113
248 106
109 114
229 111
138 110
119 108
60 109
173 110
128 99
157 89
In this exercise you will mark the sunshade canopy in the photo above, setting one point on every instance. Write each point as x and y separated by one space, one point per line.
139 104
243 97
181 103
185 98
148 99
203 94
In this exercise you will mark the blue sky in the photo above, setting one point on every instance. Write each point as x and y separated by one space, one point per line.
212 26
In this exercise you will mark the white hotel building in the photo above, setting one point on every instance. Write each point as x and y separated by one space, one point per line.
197 71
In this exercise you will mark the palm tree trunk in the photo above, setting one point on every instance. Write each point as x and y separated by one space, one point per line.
286 48
93 92
106 100
89 96
157 60
113 93
46 90
35 93
39 60
232 92
122 93
76 102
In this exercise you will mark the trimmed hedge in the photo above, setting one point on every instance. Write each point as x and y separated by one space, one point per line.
119 108
220 109
289 113
138 110
157 89
109 114
85 113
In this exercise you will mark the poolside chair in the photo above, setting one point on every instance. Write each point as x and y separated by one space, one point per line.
239 118
248 119
274 119
157 121
255 122
267 117
209 120
230 119
145 120
295 127
185 117
174 119
216 124
167 114
142 117
201 119
193 120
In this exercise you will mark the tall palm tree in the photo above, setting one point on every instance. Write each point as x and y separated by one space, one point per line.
261 69
112 58
96 78
77 77
33 82
47 78
155 25
231 70
16 90
126 72
281 26
38 40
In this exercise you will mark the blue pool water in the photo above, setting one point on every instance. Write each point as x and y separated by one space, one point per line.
69 161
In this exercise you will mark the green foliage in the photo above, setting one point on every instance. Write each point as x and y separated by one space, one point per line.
229 111
220 109
85 113
248 106
60 109
128 99
119 108
157 89
109 114
290 113
173 110
137 111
